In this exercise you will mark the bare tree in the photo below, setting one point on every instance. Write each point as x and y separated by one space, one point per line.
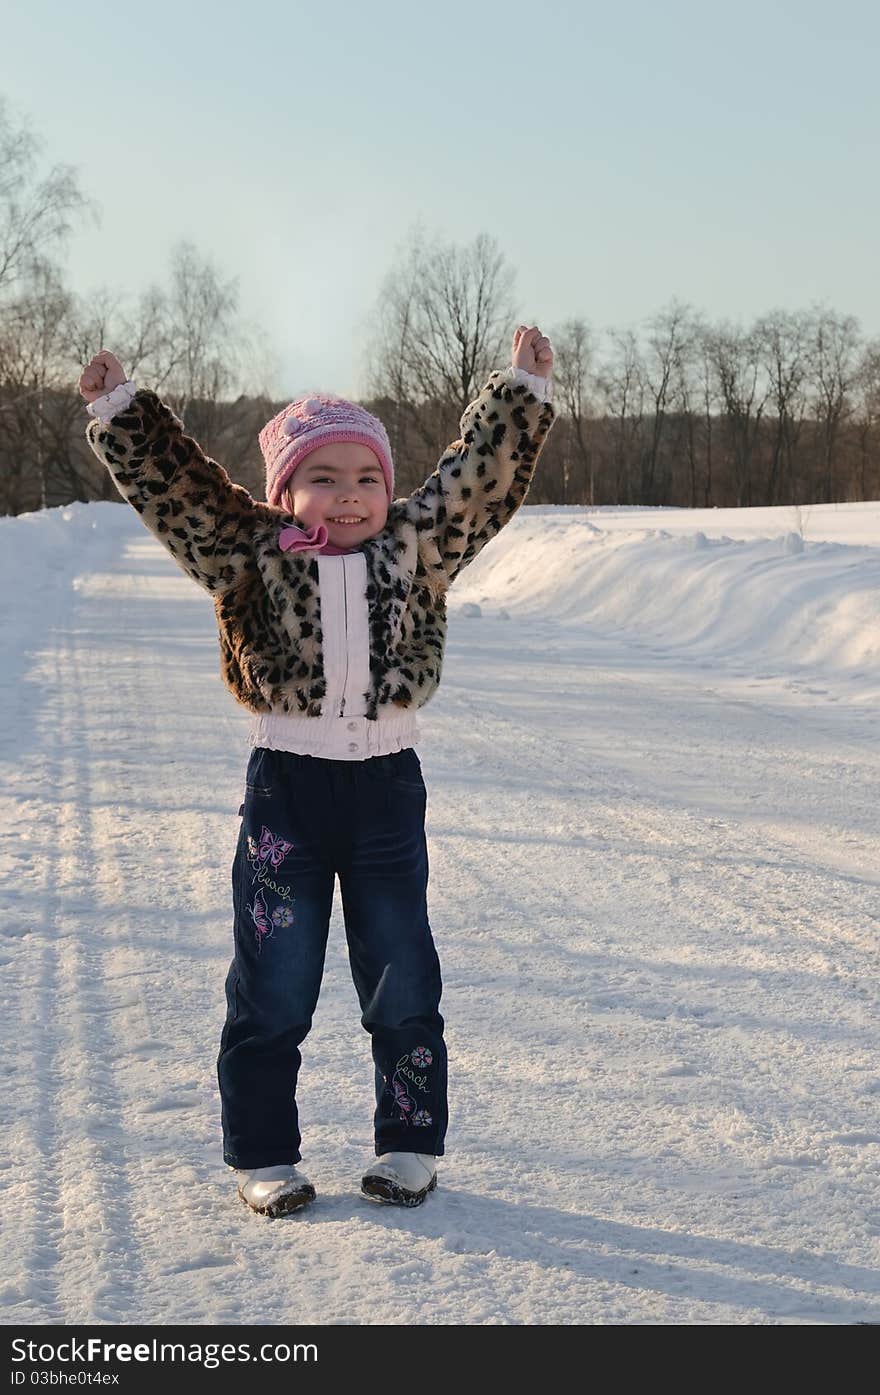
621 380
833 357
866 418
684 394
391 348
94 324
737 364
198 344
35 357
446 320
783 340
34 210
704 372
573 352
187 341
667 335
189 344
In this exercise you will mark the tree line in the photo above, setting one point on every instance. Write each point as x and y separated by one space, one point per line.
679 411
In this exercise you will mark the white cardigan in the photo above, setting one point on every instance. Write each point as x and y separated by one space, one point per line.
343 733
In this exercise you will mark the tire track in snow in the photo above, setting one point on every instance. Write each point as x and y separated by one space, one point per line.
79 1260
174 931
35 1205
102 1269
151 1104
32 1289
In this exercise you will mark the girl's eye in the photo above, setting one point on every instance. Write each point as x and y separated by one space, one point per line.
320 479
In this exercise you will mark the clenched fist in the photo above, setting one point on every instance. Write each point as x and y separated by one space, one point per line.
532 351
103 374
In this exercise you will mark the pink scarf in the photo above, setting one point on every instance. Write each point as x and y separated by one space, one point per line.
294 539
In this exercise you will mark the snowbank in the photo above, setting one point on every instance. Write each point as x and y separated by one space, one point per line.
756 600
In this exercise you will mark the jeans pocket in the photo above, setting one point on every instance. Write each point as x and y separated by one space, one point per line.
401 770
258 777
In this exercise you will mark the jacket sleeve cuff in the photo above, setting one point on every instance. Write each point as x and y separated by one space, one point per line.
541 387
107 407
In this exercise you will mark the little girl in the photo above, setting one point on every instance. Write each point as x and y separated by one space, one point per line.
330 600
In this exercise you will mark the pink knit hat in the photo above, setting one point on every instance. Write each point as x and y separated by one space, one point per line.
309 422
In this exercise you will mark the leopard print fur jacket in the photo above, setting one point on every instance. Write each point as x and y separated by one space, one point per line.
267 602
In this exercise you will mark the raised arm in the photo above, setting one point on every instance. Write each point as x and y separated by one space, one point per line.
483 477
184 498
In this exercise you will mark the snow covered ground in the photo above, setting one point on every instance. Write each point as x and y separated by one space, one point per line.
653 825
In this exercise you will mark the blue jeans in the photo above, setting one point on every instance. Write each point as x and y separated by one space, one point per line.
306 819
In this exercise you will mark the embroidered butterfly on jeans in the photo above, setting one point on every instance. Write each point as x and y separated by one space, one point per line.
260 916
402 1098
270 848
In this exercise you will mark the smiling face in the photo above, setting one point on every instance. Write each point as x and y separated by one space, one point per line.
340 481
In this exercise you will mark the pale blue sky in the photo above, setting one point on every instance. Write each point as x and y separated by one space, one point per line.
621 156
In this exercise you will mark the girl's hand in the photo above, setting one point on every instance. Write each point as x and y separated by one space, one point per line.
102 375
532 351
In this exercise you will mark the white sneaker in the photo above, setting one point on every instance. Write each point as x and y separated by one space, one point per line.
273 1191
402 1178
